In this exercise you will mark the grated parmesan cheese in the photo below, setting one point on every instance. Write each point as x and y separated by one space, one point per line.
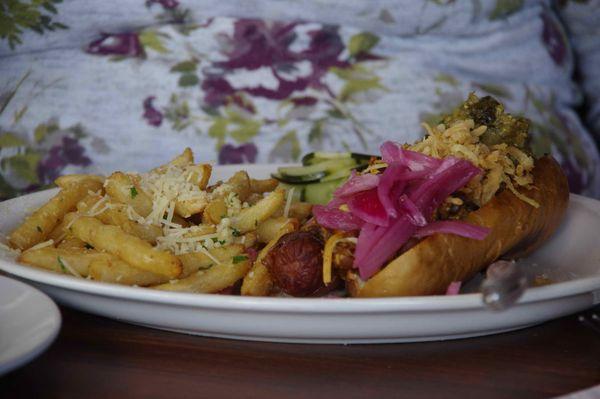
288 202
41 245
66 265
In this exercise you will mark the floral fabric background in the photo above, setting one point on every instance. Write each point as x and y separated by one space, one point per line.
127 85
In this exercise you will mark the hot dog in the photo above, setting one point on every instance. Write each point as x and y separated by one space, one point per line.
437 211
517 229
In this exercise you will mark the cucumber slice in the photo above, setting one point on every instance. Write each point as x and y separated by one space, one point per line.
329 166
340 174
319 156
321 193
315 177
363 158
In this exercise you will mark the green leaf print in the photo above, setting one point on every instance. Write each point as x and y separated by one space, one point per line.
316 131
504 8
234 125
445 78
245 130
218 130
188 80
24 166
19 114
10 140
185 66
353 87
150 39
362 43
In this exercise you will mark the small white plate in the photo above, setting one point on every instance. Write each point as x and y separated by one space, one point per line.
571 259
29 322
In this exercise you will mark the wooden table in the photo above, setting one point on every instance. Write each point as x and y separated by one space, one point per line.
95 357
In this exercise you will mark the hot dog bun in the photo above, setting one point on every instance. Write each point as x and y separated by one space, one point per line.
517 228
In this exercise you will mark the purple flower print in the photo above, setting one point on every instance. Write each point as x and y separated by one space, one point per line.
120 44
554 38
216 90
242 103
166 4
283 91
324 49
153 116
305 101
68 152
245 153
255 44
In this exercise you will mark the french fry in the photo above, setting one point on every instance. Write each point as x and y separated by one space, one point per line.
200 230
180 161
270 228
239 183
188 207
199 174
124 189
113 270
214 211
258 281
131 249
297 210
66 180
195 261
300 210
62 260
118 217
212 280
249 218
72 242
254 198
247 240
38 226
60 231
263 185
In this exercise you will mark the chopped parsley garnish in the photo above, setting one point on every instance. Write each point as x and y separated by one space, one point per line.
61 264
38 228
88 246
239 258
216 240
235 232
133 192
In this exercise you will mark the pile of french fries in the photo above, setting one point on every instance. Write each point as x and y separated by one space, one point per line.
128 229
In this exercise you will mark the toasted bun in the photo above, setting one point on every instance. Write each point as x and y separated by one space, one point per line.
517 228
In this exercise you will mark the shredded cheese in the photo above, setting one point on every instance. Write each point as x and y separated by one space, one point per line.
68 267
205 252
288 202
501 163
41 245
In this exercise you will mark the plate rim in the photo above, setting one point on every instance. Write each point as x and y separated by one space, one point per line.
292 305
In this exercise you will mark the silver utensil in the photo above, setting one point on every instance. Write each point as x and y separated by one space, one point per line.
591 320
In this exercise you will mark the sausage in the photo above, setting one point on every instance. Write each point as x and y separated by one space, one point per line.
296 263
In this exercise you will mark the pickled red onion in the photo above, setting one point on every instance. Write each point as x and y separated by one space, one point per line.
397 205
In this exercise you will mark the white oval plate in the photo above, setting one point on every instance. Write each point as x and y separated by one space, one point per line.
29 322
571 259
